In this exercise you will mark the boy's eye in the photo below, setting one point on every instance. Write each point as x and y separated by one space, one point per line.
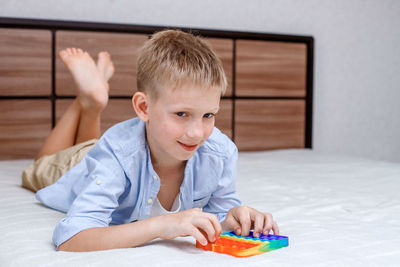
208 115
181 114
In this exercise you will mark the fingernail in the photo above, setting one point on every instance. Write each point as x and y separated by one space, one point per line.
256 235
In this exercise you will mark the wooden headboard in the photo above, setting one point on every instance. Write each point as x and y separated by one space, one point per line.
268 104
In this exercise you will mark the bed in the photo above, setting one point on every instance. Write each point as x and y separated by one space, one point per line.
336 210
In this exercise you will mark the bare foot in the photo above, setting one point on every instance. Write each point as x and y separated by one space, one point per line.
105 66
92 88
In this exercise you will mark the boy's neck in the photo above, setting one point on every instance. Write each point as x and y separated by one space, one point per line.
165 165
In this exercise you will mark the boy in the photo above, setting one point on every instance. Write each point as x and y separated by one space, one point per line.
165 174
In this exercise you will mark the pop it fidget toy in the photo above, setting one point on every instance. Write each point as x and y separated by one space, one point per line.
240 246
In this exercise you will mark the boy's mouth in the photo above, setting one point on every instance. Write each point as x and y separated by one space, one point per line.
188 147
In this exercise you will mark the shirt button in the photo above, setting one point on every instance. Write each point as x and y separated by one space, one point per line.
155 177
98 182
149 201
199 204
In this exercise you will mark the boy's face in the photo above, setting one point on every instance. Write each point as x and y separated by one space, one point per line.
179 121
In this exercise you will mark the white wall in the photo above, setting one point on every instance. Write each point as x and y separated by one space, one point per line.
357 54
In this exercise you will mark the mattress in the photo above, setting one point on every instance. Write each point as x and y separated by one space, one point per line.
336 211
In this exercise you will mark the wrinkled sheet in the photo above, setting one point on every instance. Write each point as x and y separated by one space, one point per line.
336 210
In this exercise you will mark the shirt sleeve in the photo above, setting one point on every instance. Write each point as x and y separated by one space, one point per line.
224 197
105 183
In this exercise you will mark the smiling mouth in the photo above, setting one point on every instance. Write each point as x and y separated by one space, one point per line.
188 147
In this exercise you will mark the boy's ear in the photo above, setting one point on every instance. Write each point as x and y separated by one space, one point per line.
140 102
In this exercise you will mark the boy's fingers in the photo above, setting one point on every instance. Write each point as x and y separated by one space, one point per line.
268 223
233 224
258 225
275 228
199 235
217 225
245 221
207 226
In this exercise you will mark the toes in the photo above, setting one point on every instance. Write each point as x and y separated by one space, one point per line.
72 51
105 65
103 57
63 53
104 54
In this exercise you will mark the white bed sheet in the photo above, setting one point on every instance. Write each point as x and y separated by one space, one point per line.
337 211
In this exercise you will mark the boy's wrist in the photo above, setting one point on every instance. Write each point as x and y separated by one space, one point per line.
155 226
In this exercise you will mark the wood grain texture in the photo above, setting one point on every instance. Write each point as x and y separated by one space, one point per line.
269 124
24 125
25 65
123 49
265 68
224 50
116 111
223 120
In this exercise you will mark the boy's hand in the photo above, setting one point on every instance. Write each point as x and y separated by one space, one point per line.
194 222
242 219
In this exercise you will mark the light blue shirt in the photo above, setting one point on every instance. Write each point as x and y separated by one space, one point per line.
115 183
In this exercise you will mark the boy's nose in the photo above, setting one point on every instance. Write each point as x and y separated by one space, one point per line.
195 130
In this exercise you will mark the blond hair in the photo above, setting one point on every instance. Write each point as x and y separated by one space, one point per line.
172 58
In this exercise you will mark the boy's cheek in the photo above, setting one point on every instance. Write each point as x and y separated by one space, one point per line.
209 130
169 129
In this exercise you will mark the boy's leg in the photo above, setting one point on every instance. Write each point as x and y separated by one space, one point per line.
94 98
63 134
81 121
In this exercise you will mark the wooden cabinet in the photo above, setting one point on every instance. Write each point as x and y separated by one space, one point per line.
223 120
24 125
275 69
267 105
270 104
224 50
25 65
269 124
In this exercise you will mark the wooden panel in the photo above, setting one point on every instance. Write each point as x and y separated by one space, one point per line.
270 68
269 124
224 49
116 111
25 65
24 125
123 49
223 120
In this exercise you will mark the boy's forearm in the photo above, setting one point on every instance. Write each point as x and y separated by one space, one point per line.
118 236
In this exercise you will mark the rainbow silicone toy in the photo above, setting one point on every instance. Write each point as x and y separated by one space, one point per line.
240 246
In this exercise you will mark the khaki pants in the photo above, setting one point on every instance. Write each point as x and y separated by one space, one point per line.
46 170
